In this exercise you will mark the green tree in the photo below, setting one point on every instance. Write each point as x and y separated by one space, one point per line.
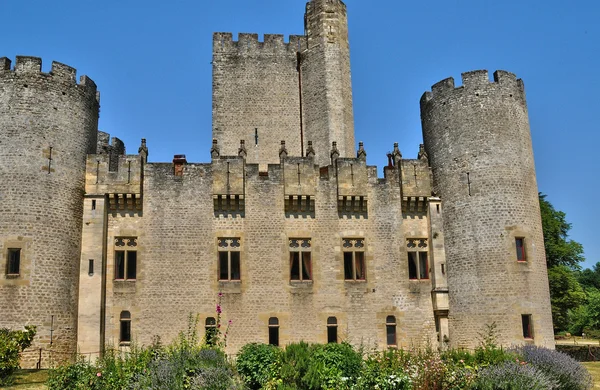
566 295
559 249
590 278
12 343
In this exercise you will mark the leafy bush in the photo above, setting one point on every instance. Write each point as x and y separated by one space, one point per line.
332 366
513 376
565 370
79 376
256 363
294 364
385 371
12 343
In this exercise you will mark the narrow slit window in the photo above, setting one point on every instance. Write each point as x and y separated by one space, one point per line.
93 204
332 328
527 326
390 331
520 245
125 328
13 266
274 331
210 330
91 267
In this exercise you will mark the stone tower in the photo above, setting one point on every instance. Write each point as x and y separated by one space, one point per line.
326 82
48 124
479 145
300 91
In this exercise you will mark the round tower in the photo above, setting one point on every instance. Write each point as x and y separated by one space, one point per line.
48 124
479 145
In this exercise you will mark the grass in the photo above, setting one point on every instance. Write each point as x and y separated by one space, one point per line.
29 380
594 369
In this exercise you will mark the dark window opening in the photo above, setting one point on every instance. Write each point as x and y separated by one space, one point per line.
125 265
91 267
332 336
125 331
418 263
520 244
93 205
390 330
300 259
229 260
274 331
13 266
527 326
210 331
354 259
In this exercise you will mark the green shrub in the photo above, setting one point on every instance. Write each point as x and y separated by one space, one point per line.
332 366
385 371
78 376
12 343
294 364
256 363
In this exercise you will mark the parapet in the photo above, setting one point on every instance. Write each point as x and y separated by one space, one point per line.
474 81
249 43
101 179
32 66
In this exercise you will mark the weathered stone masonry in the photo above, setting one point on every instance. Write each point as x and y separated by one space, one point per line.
107 238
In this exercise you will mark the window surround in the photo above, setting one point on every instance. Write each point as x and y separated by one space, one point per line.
274 331
210 330
520 247
418 258
125 328
13 262
229 267
125 259
390 331
300 251
332 330
354 259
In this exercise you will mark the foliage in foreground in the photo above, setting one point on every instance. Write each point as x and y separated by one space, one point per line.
12 343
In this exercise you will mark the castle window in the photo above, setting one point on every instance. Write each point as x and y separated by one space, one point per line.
274 331
210 330
229 259
354 258
527 326
126 258
91 267
332 328
13 264
390 331
125 328
93 205
300 259
520 245
418 263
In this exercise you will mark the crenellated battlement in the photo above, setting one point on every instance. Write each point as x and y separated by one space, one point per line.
474 81
101 178
249 43
26 66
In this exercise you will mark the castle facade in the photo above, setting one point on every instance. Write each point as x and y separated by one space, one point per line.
287 227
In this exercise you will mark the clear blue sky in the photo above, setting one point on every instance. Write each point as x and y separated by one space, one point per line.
151 61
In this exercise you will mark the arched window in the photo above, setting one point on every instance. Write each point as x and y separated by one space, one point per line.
125 328
390 331
332 326
210 330
274 331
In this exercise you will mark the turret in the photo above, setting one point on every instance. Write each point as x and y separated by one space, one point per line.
327 113
48 124
478 143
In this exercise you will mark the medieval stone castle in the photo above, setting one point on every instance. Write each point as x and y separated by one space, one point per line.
100 248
